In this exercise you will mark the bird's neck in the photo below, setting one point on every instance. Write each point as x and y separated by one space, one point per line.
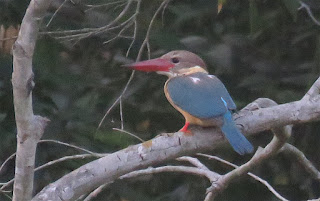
195 69
183 72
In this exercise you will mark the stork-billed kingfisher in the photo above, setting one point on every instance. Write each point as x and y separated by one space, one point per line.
201 98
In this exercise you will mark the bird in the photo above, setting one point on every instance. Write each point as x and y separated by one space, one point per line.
201 98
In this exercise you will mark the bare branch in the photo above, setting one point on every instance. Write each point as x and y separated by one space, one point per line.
133 72
77 35
212 176
6 161
305 6
280 137
144 43
90 7
264 182
146 39
117 101
66 158
70 145
131 134
314 91
193 161
30 127
135 28
55 13
298 155
94 193
91 154
59 160
170 146
164 9
5 194
120 33
261 155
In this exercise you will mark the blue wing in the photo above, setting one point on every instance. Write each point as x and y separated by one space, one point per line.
200 95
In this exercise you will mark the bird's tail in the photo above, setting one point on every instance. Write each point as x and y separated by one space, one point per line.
237 140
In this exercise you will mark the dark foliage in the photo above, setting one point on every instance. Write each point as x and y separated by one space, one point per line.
258 49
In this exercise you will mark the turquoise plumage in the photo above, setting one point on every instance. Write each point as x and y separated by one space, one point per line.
205 97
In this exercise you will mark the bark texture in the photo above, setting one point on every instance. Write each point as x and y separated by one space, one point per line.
29 126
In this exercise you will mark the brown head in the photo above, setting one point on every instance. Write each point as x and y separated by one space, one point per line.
173 63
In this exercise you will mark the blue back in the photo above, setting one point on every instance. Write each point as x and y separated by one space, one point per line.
200 95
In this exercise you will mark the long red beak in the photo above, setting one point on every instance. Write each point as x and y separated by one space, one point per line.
151 65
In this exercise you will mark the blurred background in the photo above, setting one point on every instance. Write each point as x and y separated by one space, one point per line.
258 48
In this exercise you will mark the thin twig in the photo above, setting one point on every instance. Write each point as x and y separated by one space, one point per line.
146 39
131 134
90 7
65 158
193 161
212 176
5 194
122 13
264 182
70 145
94 193
164 8
57 142
55 13
135 28
121 114
59 160
118 6
8 159
128 25
302 159
90 154
94 31
87 32
144 43
307 7
116 102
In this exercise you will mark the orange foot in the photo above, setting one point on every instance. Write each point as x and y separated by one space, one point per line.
185 130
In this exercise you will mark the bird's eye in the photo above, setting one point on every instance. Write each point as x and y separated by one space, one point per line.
175 60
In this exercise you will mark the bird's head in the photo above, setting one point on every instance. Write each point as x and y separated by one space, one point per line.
173 63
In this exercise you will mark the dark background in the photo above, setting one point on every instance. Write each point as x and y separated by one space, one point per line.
258 48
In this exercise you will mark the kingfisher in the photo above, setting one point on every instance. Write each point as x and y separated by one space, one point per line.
201 98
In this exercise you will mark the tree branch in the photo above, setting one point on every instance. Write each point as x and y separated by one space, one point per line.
264 182
170 146
280 137
212 176
308 9
302 159
29 127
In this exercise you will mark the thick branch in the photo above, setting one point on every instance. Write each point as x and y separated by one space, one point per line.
171 146
277 116
29 127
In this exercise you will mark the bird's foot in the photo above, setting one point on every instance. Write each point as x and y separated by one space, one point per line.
185 130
